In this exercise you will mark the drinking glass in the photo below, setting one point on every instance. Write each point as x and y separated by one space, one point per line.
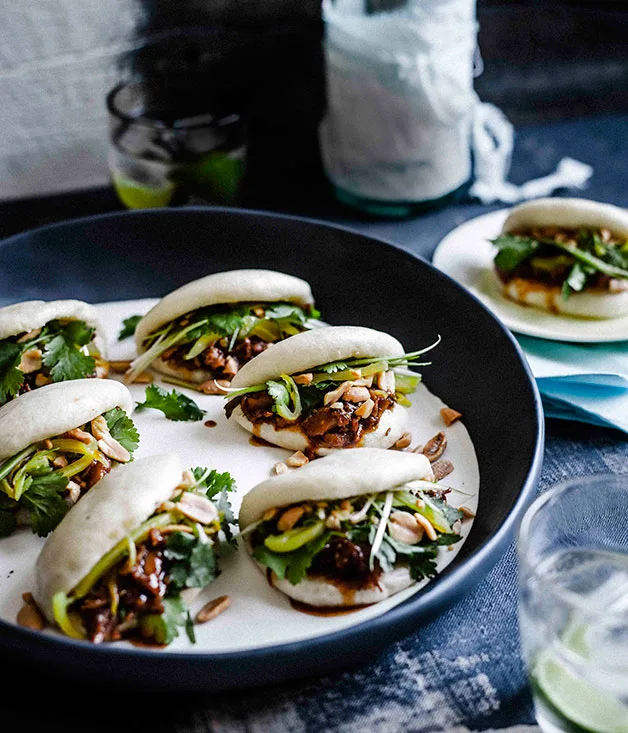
174 140
573 561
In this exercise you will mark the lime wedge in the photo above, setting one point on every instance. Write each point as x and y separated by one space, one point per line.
576 700
142 196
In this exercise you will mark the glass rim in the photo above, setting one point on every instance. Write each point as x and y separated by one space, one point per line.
192 123
525 528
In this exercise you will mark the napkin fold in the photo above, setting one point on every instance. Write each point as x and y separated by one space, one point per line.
583 382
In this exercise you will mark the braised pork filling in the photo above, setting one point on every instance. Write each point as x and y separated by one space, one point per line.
334 404
61 350
39 484
221 338
573 260
134 591
331 419
351 542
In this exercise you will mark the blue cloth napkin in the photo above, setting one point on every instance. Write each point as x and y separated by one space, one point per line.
583 382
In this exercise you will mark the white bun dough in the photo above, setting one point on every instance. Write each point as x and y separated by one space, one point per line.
114 507
32 314
57 408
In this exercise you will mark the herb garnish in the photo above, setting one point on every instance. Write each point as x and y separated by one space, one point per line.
589 256
174 405
63 346
128 327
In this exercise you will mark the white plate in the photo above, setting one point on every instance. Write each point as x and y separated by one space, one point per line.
259 616
466 255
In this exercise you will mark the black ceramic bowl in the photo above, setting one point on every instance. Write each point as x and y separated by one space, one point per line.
478 368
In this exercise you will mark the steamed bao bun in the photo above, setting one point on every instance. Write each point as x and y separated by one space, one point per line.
56 408
341 475
304 352
121 502
234 286
567 214
31 314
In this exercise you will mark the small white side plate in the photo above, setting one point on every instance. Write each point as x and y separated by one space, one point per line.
466 255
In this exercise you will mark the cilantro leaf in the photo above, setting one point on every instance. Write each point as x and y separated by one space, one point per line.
279 392
8 522
44 503
175 405
65 360
447 538
513 250
333 367
212 481
312 396
11 378
122 429
422 566
128 327
78 333
291 565
163 627
194 561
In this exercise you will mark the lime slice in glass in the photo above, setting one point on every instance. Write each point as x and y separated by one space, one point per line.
576 700
143 196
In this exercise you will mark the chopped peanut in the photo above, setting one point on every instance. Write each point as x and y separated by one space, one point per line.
450 416
357 394
297 460
290 517
304 378
365 409
427 526
403 442
466 512
212 609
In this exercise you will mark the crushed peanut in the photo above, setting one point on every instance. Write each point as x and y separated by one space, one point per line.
30 617
212 609
449 415
290 517
427 526
403 442
280 468
297 460
435 447
442 468
304 379
365 409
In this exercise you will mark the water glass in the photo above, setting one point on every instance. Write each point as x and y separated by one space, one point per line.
174 140
573 559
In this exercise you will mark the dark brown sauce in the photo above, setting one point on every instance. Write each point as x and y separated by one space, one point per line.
324 610
210 423
256 440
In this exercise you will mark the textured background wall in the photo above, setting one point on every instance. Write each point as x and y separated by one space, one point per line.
57 59
543 59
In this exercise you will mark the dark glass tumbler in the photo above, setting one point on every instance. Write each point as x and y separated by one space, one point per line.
174 140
